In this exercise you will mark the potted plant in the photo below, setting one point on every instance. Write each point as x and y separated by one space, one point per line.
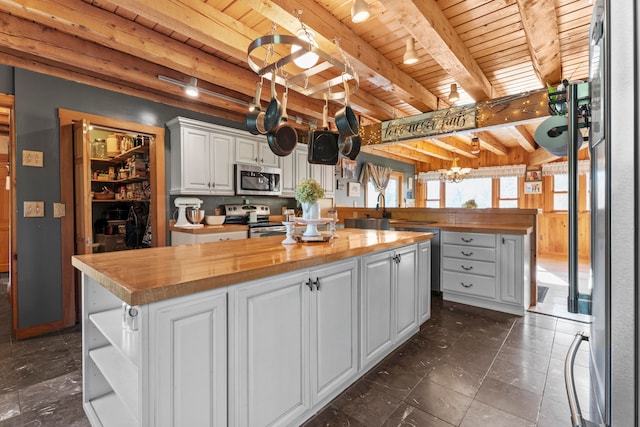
308 192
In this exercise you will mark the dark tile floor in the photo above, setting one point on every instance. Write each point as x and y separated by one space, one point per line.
466 367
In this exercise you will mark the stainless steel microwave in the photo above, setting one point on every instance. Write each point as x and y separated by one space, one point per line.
258 180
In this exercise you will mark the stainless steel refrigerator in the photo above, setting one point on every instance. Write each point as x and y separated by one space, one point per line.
614 139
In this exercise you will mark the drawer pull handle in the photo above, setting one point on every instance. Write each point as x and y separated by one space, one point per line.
309 283
466 253
466 240
466 268
466 286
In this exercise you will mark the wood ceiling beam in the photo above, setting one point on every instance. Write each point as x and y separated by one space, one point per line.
525 141
431 149
400 151
367 61
491 143
539 23
428 25
453 144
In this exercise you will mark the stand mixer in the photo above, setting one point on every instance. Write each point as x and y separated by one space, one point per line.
183 203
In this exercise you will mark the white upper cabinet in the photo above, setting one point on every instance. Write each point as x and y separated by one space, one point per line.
254 150
295 168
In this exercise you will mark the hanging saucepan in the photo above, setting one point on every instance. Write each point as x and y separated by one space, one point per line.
283 140
346 120
274 110
255 118
323 144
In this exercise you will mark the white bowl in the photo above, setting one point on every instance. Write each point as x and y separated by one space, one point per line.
214 219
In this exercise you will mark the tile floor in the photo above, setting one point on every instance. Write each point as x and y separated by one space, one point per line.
466 367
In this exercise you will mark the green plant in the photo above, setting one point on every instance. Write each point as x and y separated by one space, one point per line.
309 190
471 203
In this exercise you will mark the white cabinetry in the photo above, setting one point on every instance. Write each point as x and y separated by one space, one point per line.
202 157
325 175
486 270
294 344
389 301
424 281
295 168
171 371
180 238
254 150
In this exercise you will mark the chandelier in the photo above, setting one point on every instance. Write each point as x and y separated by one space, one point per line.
455 174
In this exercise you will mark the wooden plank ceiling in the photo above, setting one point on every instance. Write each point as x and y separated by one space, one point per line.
489 48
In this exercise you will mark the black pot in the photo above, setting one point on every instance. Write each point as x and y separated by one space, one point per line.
255 118
350 146
283 140
274 110
346 120
323 147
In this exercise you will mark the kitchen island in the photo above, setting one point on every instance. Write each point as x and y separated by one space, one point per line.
248 332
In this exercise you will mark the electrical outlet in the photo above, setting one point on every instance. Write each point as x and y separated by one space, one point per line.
59 210
32 158
452 218
33 209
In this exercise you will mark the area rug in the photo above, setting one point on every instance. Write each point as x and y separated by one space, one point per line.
542 293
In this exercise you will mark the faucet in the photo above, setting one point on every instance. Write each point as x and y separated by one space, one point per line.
385 214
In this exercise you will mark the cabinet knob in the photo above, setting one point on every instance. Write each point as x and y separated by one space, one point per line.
465 285
466 253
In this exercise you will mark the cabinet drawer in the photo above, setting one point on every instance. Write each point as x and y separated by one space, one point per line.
469 267
469 284
470 239
469 253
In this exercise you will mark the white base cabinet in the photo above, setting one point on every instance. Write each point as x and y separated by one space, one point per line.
389 302
180 238
171 371
294 344
487 270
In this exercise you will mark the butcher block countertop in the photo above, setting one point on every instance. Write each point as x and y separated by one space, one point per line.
207 229
148 275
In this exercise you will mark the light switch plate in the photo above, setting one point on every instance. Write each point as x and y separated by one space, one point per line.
59 210
32 158
33 209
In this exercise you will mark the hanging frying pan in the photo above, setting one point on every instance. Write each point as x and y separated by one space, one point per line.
350 146
283 140
255 118
323 144
274 109
346 120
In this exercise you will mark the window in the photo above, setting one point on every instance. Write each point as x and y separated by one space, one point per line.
392 193
478 189
433 194
560 191
507 192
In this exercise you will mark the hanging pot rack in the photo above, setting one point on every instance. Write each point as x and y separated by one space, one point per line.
301 81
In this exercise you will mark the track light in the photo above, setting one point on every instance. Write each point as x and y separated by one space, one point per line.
454 95
359 11
410 54
475 145
192 88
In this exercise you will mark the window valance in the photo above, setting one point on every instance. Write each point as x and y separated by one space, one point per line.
484 172
562 168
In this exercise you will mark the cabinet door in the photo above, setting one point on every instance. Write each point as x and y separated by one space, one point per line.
377 307
222 152
188 361
196 161
511 268
334 328
406 292
301 163
288 180
324 175
271 373
266 157
424 281
247 151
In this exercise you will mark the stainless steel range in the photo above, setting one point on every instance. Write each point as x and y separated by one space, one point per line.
256 217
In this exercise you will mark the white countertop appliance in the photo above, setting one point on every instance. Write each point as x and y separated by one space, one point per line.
184 203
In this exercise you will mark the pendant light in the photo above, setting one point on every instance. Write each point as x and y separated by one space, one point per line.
192 88
410 54
359 11
309 59
454 95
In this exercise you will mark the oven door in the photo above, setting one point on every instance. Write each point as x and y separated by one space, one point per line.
274 230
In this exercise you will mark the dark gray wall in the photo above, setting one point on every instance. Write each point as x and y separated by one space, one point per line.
342 199
37 99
